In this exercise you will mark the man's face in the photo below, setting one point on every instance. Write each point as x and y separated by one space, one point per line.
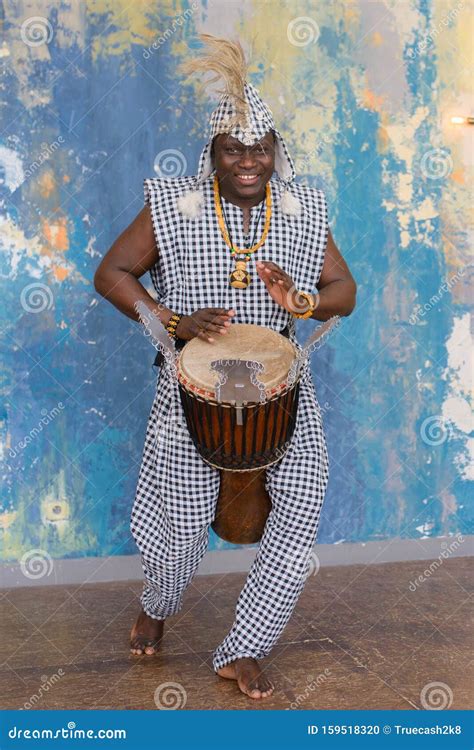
245 170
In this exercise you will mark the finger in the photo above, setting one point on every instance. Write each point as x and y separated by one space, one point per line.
273 276
203 319
218 320
204 335
263 272
274 272
214 328
216 316
213 324
278 277
205 330
272 265
219 311
269 264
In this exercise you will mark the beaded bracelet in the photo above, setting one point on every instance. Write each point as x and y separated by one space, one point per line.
173 324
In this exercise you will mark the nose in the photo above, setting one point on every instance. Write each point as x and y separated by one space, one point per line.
247 160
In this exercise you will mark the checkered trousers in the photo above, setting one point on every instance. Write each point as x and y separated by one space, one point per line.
177 491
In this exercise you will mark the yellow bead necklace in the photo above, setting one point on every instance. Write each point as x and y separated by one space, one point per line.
239 277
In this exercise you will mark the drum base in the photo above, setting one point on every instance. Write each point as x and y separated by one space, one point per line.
242 507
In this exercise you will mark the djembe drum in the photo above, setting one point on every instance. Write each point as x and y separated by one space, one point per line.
240 402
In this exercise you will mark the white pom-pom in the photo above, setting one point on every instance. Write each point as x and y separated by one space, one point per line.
190 204
290 204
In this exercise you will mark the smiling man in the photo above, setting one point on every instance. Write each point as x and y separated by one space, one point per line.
242 242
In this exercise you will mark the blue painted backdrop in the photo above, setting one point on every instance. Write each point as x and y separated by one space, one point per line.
364 94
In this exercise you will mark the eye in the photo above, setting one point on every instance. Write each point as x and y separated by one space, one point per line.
231 150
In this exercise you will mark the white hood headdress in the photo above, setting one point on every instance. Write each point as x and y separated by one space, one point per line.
242 113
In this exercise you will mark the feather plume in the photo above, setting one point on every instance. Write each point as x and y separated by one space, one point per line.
227 60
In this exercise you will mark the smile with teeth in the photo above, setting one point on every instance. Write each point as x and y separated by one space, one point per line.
248 177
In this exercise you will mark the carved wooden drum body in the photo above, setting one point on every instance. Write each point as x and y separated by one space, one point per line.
240 400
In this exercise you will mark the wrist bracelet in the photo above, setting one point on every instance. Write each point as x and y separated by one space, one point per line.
173 324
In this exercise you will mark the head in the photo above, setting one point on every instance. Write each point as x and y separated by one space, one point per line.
232 160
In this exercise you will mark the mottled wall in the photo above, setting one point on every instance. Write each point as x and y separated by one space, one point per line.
363 93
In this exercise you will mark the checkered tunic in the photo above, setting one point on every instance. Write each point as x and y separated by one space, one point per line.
177 491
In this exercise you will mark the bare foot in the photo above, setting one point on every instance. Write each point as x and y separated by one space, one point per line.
146 635
249 676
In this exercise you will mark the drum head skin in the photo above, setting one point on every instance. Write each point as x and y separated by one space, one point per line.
242 341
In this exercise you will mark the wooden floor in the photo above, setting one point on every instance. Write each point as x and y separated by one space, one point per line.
359 639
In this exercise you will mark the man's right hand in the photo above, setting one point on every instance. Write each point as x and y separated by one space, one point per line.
204 323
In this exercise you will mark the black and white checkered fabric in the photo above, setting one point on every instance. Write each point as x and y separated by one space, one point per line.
259 122
177 491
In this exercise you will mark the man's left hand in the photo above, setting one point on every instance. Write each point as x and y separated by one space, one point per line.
281 286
